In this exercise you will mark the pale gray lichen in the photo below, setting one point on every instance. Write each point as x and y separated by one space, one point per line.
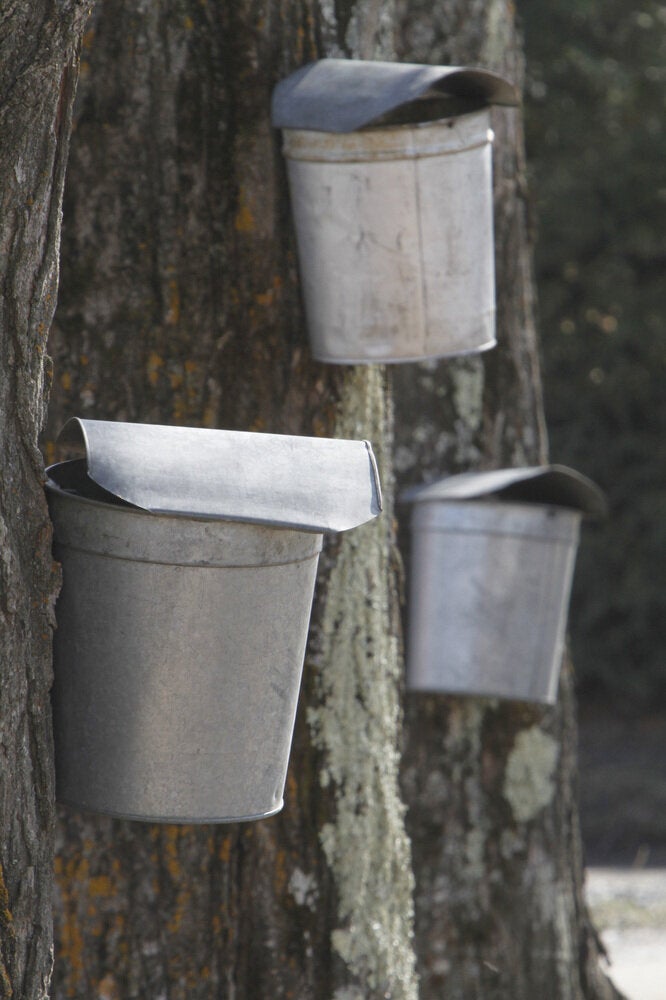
371 30
328 26
356 723
303 888
468 391
497 36
529 775
347 993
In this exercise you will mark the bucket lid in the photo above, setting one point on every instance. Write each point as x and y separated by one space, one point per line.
315 484
556 485
341 95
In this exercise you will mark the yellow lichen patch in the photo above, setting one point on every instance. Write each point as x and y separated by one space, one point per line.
155 363
182 906
292 786
170 852
244 221
107 988
70 951
101 885
6 917
173 311
280 872
77 870
269 297
224 851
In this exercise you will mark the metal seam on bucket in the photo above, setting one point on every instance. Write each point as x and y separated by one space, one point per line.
406 153
422 275
556 518
375 473
184 819
360 359
194 565
487 532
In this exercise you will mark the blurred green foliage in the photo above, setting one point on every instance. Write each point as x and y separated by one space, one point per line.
596 140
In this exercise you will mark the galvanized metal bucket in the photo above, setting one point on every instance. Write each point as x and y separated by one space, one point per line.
492 565
181 637
393 210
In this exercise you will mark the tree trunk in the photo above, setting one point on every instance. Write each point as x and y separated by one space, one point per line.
490 785
180 305
38 71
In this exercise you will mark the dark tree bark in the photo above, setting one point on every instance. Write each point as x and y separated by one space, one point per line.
180 304
38 71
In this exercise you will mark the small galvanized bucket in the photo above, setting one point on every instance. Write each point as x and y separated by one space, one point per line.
492 565
189 561
390 175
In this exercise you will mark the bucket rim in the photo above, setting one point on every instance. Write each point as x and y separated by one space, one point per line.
71 803
542 522
307 483
124 507
549 485
364 359
410 141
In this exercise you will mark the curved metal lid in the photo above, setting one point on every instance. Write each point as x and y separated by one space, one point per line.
341 95
315 484
545 484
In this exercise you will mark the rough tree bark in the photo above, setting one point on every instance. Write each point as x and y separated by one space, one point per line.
180 304
38 70
490 786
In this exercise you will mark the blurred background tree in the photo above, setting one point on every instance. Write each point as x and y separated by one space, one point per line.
596 144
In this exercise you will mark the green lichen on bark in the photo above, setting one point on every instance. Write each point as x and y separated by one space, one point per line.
357 725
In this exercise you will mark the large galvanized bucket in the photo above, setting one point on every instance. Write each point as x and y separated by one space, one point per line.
492 565
180 639
393 219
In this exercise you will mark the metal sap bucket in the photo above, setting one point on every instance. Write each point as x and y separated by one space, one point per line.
390 175
493 557
189 559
